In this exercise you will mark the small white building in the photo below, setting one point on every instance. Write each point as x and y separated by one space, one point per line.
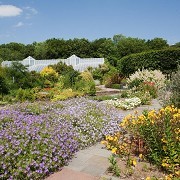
79 64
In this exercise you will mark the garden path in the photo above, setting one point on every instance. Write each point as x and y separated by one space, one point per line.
106 91
91 163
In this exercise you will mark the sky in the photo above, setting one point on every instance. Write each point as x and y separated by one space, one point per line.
28 21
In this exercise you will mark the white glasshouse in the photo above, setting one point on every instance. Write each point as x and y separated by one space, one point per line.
79 64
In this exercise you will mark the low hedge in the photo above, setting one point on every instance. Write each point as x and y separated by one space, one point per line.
165 60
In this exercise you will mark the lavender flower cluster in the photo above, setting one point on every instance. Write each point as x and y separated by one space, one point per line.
38 139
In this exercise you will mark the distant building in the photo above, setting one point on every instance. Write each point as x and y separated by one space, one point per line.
79 64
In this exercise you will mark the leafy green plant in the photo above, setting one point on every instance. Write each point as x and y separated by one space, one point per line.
85 83
135 83
25 94
106 97
160 132
124 94
113 166
115 86
144 96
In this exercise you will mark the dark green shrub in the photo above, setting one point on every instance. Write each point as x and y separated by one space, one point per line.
115 86
165 60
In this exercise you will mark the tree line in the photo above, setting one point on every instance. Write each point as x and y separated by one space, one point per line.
112 49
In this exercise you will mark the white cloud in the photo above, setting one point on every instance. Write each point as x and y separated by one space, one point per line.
19 24
9 10
30 11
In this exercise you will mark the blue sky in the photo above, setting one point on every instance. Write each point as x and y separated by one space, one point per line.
26 21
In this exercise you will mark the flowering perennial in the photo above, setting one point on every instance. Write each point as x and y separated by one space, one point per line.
155 77
37 139
126 104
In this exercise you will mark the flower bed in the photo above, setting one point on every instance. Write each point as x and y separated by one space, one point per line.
154 136
126 104
38 139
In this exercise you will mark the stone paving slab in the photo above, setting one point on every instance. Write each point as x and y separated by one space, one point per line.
69 174
96 166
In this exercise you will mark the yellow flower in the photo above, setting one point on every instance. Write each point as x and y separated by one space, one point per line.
108 137
165 164
168 177
163 140
136 112
114 150
134 162
177 173
177 130
164 148
140 156
104 142
134 122
148 178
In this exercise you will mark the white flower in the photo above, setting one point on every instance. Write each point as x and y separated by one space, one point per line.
146 75
129 103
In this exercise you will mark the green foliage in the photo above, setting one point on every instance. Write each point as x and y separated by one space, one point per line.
18 76
148 87
175 88
143 95
170 94
98 73
115 86
12 51
106 97
87 76
157 43
165 60
128 45
87 87
160 134
65 94
4 88
85 83
47 84
67 73
25 95
114 167
124 94
135 83
50 74
112 77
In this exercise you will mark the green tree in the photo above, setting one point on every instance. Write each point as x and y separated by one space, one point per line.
176 45
130 45
40 50
19 76
118 37
4 89
157 44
